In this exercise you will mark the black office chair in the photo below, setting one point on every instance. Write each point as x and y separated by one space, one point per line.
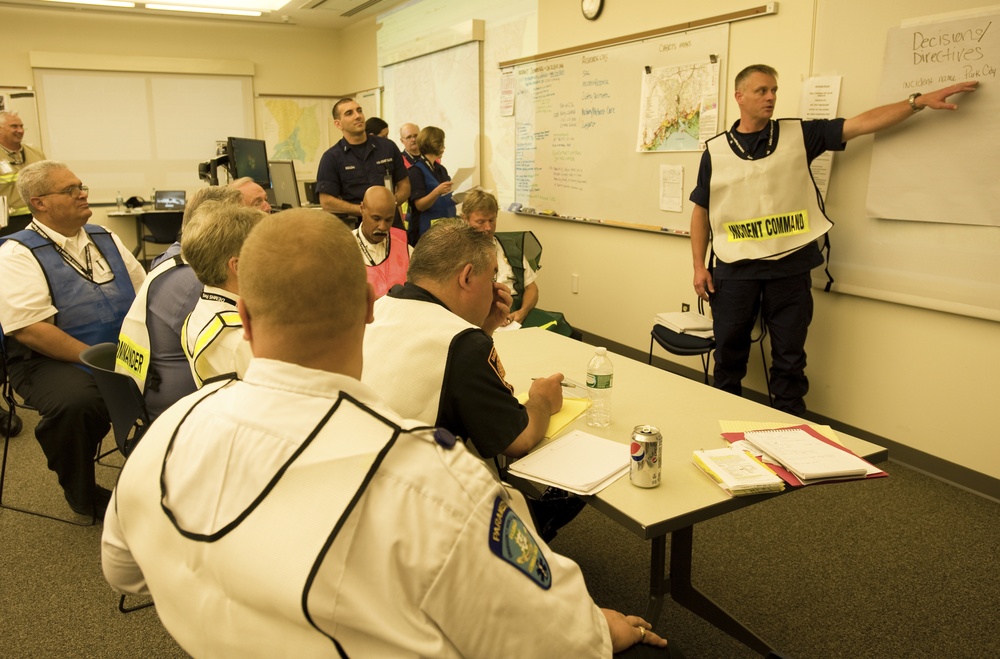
161 228
7 392
127 408
129 419
683 344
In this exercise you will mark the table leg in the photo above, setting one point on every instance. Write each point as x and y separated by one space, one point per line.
138 235
678 585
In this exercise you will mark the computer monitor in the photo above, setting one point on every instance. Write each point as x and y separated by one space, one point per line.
170 200
248 157
284 184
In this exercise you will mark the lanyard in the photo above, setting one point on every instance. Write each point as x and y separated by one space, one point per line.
215 297
371 260
15 157
85 270
770 141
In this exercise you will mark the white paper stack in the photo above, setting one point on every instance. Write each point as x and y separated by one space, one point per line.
577 462
686 322
810 459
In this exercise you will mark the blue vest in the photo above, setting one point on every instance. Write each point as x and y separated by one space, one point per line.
89 312
443 207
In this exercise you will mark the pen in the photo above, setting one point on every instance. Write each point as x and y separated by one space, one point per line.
569 383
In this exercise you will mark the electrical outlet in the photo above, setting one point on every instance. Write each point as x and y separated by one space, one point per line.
685 306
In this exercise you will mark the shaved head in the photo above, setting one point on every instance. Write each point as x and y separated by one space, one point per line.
301 276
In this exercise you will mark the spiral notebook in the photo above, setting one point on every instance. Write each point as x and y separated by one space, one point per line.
806 456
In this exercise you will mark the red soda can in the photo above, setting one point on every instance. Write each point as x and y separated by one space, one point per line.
646 450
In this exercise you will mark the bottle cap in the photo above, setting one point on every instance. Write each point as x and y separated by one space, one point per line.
601 351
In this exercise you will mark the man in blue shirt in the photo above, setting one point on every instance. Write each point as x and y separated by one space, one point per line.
357 162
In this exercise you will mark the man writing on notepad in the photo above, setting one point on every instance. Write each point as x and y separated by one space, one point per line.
756 200
430 354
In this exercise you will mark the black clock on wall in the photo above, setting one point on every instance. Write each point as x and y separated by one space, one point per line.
591 8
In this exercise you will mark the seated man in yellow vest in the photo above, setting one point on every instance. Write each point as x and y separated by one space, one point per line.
149 346
383 248
212 335
518 259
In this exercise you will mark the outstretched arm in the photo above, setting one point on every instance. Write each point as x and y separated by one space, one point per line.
889 115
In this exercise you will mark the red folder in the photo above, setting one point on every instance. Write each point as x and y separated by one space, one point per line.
791 478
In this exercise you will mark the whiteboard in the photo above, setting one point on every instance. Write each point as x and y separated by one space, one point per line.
441 89
577 129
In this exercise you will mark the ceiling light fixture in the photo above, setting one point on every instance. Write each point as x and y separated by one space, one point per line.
99 3
204 10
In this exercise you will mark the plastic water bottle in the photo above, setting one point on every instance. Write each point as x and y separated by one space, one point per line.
120 202
600 376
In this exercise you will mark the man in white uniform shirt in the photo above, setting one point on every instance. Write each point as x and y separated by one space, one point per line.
297 515
67 285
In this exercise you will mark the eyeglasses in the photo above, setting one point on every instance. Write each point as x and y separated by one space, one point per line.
75 191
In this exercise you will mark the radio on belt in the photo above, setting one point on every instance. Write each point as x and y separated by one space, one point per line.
647 451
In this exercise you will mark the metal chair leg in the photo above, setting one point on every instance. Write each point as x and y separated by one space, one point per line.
130 609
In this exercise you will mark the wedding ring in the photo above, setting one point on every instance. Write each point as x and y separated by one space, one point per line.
642 634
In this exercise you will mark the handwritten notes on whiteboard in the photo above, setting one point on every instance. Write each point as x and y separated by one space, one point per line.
578 117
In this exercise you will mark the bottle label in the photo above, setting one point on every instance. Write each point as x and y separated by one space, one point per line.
595 381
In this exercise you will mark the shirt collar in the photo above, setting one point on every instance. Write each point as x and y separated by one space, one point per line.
286 376
79 240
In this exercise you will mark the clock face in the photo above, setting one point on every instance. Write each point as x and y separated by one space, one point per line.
591 8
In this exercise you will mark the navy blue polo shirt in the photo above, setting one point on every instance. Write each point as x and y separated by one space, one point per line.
820 135
346 171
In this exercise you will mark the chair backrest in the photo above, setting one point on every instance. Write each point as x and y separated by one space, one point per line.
163 227
121 394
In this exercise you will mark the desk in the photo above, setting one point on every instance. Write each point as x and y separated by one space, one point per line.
687 414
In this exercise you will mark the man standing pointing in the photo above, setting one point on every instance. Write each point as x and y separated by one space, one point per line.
756 200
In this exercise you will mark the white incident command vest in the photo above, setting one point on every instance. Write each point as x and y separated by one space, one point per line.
764 208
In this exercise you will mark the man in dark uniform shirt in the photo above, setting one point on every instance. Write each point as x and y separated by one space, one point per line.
357 162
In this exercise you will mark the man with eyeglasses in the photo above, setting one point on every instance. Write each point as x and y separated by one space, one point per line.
430 354
67 285
14 157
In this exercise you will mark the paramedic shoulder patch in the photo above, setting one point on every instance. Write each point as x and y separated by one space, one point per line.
494 361
511 540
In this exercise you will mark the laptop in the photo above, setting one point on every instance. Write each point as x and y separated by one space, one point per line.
284 186
170 200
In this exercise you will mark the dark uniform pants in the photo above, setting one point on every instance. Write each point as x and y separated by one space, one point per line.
74 421
787 306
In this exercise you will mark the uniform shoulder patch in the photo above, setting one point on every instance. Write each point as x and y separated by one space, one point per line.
511 540
494 361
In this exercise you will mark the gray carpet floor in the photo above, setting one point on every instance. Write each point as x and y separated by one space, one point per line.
899 567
